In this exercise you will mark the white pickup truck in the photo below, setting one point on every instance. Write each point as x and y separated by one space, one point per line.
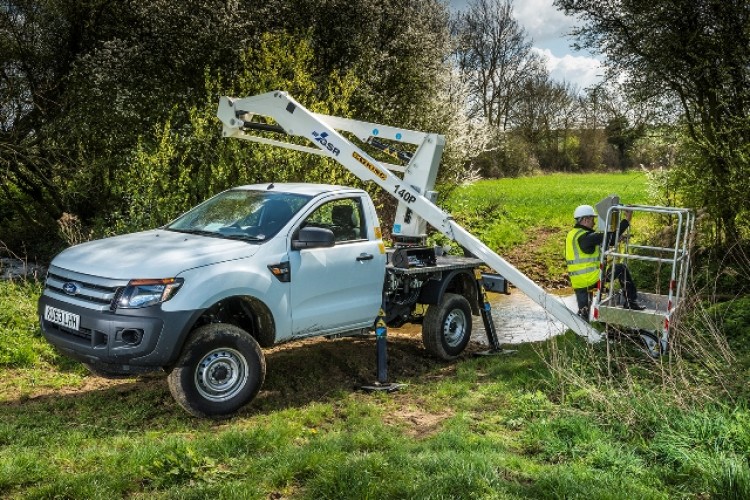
252 266
262 264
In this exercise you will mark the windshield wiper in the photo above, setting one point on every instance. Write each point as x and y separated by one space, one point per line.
245 237
199 232
238 235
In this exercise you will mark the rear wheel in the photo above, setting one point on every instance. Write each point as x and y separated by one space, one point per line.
221 369
446 328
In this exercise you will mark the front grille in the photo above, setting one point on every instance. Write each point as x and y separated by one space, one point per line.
98 292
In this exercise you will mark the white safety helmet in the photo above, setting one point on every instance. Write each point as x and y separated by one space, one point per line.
584 211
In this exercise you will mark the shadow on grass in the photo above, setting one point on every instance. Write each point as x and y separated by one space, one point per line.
297 374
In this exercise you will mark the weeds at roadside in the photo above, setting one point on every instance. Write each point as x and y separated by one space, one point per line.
683 411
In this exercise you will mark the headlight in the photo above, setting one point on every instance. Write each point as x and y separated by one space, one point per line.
147 292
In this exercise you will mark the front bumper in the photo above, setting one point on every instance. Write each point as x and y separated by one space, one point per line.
147 337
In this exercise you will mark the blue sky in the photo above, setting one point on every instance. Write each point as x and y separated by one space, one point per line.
548 28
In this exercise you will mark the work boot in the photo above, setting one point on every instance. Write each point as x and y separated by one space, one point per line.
634 305
584 313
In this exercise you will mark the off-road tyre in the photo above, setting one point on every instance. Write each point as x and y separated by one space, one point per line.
220 370
446 328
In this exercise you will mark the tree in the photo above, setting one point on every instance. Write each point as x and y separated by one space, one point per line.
81 81
89 89
35 48
697 53
493 53
622 136
543 117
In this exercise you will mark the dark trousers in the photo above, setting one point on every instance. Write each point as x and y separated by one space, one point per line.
622 274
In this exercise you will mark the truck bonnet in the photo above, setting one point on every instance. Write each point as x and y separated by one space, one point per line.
150 254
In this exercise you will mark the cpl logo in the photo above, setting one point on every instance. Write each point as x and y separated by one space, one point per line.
71 288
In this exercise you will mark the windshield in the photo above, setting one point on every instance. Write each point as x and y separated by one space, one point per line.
241 214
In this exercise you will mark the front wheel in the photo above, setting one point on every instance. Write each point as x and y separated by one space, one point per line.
221 369
446 328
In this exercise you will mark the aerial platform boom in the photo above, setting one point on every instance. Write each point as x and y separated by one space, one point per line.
413 191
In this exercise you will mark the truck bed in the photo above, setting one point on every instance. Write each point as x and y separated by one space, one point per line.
443 263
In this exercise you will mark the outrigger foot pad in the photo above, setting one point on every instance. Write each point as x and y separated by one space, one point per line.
496 352
378 387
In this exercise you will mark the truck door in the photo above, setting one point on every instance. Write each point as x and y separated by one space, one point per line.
337 288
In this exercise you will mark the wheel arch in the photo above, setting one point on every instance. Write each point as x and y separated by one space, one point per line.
243 311
246 312
459 281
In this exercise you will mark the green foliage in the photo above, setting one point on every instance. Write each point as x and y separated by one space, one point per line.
622 136
732 318
177 167
512 157
714 178
181 465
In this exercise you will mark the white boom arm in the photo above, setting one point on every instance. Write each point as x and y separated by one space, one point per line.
412 191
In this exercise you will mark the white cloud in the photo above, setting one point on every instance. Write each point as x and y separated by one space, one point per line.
549 29
542 20
582 71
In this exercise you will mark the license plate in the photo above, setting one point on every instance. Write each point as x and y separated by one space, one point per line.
62 318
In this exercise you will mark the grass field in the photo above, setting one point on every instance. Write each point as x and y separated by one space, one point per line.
526 219
502 211
556 420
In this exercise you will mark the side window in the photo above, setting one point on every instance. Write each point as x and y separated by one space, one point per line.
343 217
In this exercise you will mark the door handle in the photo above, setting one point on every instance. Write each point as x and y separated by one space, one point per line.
365 256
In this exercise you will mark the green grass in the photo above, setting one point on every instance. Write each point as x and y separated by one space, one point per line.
26 360
501 431
502 212
520 426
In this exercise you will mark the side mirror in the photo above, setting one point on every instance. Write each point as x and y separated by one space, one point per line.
313 237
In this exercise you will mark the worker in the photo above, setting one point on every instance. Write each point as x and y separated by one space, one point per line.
582 251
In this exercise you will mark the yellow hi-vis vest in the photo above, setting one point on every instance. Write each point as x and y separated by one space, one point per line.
583 268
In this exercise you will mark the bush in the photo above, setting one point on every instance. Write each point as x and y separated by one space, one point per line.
185 160
509 156
733 319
